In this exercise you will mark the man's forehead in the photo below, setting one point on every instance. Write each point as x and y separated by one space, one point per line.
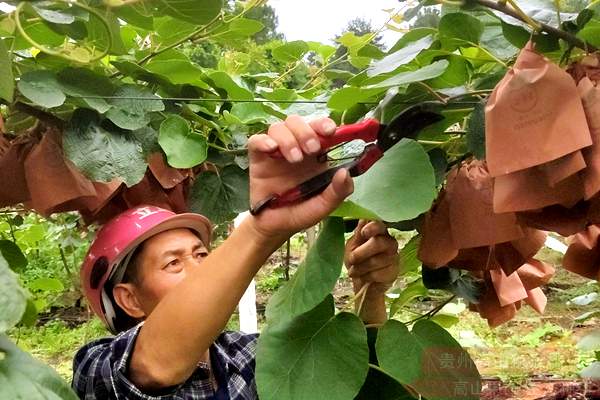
173 239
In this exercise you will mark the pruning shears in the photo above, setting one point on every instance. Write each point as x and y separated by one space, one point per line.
378 138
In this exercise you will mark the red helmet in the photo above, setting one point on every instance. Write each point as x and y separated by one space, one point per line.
115 243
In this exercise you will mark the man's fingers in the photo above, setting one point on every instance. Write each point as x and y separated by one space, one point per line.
384 275
373 246
286 141
374 263
323 126
304 133
262 143
374 228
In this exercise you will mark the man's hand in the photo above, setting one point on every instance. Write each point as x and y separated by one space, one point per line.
371 256
298 142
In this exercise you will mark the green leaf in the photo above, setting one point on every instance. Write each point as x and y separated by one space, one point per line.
251 113
46 285
192 11
99 36
24 377
324 51
39 32
132 107
316 355
220 196
56 16
347 97
30 316
280 95
398 187
223 81
131 15
446 321
7 83
13 255
239 28
458 73
400 57
171 30
428 359
290 51
350 210
476 131
409 262
315 277
184 148
13 300
42 88
412 291
428 72
100 154
461 26
82 82
591 33
177 68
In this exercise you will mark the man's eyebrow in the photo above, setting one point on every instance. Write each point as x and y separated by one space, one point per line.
177 252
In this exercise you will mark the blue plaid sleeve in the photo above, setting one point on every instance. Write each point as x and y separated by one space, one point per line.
100 370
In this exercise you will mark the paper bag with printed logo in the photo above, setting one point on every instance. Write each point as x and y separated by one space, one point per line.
530 113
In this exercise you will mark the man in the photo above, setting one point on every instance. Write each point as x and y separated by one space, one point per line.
149 275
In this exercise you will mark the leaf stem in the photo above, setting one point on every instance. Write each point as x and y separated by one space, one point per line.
567 37
433 92
432 312
61 54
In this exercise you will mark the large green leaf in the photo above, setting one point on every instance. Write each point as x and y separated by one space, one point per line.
400 57
192 11
41 33
290 51
591 32
314 279
223 81
314 356
428 72
89 86
398 187
100 154
429 360
13 299
347 97
184 148
461 26
42 88
177 68
13 255
457 74
23 377
7 83
238 29
220 196
132 105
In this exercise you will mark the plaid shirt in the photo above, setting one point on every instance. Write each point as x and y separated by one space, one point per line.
100 370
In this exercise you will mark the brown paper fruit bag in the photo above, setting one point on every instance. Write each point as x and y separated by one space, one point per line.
559 219
473 222
530 113
54 183
436 248
583 254
590 97
14 188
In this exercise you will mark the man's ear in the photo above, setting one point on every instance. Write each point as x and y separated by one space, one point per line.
126 298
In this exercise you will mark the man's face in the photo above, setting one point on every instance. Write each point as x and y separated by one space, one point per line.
163 263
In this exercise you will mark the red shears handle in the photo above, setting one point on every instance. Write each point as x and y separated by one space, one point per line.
366 130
